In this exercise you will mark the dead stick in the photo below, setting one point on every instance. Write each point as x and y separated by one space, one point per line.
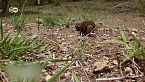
118 78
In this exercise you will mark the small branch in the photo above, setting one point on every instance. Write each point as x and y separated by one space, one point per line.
62 60
82 67
119 78
3 75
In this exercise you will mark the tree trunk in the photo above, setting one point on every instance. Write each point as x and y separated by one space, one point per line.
4 6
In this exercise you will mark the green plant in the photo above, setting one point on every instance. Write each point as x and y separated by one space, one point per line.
12 47
19 22
134 49
49 20
66 23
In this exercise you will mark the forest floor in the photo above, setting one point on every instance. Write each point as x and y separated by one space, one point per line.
98 60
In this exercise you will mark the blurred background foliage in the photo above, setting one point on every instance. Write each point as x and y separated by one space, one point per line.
5 4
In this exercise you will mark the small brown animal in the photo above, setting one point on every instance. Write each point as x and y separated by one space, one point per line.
85 27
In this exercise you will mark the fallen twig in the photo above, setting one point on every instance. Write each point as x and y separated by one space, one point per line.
3 77
119 78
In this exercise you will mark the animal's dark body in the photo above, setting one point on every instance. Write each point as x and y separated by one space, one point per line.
85 27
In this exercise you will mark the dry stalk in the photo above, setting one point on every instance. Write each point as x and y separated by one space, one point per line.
118 78
84 71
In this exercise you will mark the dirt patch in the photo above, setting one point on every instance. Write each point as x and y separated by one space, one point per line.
97 61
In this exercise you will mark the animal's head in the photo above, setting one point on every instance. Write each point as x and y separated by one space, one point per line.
78 26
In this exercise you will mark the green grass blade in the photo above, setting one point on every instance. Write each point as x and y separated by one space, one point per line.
135 40
9 41
2 52
4 40
75 78
15 40
43 64
123 36
56 75
27 47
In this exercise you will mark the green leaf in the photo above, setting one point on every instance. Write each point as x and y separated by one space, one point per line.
56 75
19 48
